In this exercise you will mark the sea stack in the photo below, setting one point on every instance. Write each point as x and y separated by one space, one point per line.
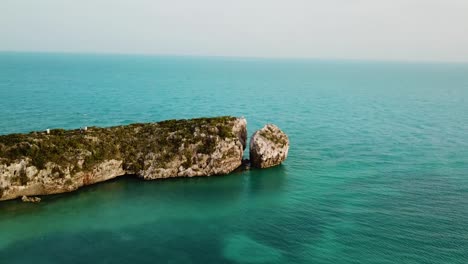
268 147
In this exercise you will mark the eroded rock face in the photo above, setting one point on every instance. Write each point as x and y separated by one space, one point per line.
62 161
268 147
25 179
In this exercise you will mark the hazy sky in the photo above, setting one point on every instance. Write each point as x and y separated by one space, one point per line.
352 29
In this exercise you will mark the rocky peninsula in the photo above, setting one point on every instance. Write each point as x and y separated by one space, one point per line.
58 161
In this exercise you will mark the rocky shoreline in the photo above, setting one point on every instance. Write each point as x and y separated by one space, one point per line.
58 161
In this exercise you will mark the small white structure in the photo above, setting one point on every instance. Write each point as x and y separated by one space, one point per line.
85 128
48 131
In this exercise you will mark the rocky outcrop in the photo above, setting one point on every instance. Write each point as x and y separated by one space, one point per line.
30 199
268 147
64 160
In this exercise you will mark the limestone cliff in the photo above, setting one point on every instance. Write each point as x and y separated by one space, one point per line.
64 160
269 147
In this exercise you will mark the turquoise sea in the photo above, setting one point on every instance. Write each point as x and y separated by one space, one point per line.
377 171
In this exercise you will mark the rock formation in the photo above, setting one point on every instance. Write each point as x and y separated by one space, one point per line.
30 199
64 160
268 147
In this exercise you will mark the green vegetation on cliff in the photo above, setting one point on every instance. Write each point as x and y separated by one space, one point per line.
82 150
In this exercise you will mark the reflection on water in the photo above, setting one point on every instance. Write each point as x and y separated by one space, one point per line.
267 180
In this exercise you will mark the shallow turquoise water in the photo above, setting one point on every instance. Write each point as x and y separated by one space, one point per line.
377 172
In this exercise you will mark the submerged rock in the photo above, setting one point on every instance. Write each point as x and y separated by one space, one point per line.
268 147
41 163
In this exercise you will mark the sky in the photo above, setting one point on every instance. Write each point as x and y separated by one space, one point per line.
406 30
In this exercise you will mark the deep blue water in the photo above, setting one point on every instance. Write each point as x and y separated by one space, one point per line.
377 171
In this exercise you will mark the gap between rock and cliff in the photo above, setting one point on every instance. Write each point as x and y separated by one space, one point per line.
58 161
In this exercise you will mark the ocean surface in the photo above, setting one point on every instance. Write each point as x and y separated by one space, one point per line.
377 170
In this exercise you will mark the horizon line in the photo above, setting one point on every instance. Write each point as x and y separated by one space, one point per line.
305 58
